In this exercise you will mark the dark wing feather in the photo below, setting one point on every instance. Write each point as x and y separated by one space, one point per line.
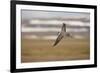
64 27
60 36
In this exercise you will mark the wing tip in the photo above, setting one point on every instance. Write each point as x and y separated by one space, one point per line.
54 45
64 24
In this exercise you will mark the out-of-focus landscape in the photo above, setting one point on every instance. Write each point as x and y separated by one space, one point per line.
39 30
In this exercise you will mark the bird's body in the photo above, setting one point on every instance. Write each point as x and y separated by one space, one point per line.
62 34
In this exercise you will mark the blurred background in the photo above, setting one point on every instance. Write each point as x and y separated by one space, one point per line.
40 29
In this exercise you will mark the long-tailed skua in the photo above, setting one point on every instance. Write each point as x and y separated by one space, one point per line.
62 34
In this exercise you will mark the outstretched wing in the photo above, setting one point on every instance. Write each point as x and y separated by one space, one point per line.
60 36
63 28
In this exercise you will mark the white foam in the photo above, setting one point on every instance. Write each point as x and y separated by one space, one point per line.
31 37
58 22
41 29
46 37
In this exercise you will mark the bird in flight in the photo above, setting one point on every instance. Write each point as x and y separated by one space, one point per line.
62 34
